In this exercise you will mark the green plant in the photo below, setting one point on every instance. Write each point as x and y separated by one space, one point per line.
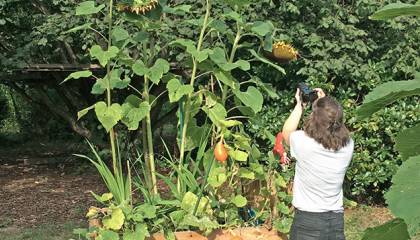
212 105
118 185
402 198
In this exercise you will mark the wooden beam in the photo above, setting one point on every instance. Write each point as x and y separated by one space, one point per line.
58 67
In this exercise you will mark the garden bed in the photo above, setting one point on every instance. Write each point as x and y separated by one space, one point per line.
245 233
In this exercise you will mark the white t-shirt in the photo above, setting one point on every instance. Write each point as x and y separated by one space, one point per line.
319 174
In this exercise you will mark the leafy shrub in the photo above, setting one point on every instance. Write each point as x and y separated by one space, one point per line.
347 54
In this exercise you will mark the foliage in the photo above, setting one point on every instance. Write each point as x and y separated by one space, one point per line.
117 184
395 10
211 98
394 229
402 197
387 93
343 52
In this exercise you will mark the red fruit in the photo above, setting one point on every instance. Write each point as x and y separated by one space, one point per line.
220 152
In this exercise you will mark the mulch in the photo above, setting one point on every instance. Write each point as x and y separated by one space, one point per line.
32 195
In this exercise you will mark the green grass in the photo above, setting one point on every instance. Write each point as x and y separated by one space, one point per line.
43 232
357 220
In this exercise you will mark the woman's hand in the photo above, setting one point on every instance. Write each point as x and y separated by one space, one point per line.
298 98
319 92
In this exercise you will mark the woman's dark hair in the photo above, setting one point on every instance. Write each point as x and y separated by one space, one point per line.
326 124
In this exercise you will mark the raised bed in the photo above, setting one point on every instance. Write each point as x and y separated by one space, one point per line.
245 233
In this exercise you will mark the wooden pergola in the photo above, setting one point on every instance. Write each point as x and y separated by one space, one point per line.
39 83
46 72
45 79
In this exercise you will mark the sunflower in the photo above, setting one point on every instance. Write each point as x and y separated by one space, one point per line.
137 6
284 52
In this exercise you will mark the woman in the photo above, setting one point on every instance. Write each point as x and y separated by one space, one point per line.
323 151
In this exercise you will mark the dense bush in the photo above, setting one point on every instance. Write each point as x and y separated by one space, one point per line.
347 54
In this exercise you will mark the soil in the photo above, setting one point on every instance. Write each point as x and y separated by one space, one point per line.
39 186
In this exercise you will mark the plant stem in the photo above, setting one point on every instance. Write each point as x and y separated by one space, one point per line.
231 58
108 89
147 177
188 100
151 156
130 187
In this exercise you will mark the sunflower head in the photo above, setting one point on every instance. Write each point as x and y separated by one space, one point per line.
137 6
284 52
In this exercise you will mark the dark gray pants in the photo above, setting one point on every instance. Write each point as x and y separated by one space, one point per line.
317 226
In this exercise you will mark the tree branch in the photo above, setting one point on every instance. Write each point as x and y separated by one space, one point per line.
63 114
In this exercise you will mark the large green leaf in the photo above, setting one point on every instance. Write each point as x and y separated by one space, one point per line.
251 98
133 111
266 87
386 94
262 28
233 15
144 211
83 112
176 90
88 7
227 79
178 10
266 61
77 75
230 123
218 57
103 198
189 201
114 79
107 235
194 135
217 177
108 116
395 229
395 10
218 25
191 49
103 56
246 173
156 72
119 34
408 142
238 155
216 113
140 68
204 223
115 220
403 198
239 201
139 234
